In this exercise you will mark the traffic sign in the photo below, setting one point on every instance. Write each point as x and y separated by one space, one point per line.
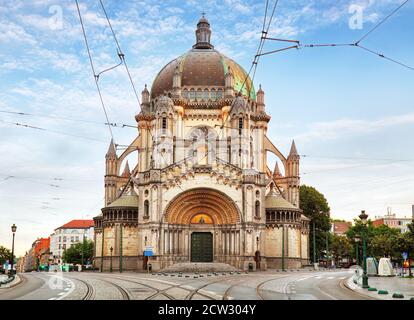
148 253
405 255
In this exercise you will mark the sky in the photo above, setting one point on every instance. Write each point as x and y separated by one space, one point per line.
350 112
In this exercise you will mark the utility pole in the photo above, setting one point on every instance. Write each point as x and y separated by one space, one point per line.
327 248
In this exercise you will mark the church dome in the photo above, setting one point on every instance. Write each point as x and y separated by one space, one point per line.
201 68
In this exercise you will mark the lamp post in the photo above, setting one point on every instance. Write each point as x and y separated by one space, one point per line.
83 245
327 250
357 240
13 228
110 265
364 219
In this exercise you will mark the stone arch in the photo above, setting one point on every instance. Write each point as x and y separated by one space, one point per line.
212 202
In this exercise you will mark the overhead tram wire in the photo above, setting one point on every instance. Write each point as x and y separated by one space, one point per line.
257 56
381 22
115 125
121 55
355 44
96 77
49 130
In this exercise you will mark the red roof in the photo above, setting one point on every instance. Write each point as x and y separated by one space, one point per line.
341 227
78 224
378 222
42 244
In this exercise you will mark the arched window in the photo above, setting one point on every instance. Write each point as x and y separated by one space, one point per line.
240 125
199 95
257 209
146 209
192 94
219 94
185 94
213 95
205 95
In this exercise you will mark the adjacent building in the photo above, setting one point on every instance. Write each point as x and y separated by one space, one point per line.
391 220
68 234
340 227
202 189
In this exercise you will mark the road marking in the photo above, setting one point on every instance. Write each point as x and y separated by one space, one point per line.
61 294
342 278
318 277
67 289
51 299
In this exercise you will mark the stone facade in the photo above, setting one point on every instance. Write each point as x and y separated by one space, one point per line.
201 189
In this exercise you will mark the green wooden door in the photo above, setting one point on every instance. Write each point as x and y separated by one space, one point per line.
201 247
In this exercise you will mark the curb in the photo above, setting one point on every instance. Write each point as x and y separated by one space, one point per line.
15 282
345 283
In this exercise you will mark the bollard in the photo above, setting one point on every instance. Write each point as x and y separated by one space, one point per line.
398 296
382 292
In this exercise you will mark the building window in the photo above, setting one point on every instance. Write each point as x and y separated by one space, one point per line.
72 239
60 239
60 247
164 122
199 94
64 238
192 94
257 209
185 94
206 95
213 95
64 246
240 125
77 238
146 209
219 94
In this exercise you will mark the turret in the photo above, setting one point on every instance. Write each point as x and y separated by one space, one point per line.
111 174
260 100
292 175
229 84
177 83
145 101
127 171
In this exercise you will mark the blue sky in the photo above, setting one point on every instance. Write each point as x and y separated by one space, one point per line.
349 111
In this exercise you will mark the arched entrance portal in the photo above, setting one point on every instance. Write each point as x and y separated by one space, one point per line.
202 225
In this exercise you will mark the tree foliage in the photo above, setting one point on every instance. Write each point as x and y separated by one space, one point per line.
315 207
382 241
5 254
74 253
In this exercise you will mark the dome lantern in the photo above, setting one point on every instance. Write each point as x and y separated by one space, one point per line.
203 34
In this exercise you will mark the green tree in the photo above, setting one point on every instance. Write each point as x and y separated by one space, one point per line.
315 207
74 253
339 247
5 254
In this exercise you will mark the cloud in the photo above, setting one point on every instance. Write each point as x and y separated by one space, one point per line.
342 128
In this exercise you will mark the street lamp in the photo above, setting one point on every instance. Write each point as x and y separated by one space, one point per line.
357 239
364 219
13 228
110 265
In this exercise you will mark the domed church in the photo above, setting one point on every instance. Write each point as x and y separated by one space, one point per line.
202 191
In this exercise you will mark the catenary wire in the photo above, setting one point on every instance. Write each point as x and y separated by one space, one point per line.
93 69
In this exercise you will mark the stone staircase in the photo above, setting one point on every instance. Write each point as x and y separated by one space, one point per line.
200 267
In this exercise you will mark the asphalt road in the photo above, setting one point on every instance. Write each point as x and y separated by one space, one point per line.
268 285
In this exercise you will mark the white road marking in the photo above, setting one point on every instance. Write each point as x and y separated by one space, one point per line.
342 278
61 294
51 299
318 277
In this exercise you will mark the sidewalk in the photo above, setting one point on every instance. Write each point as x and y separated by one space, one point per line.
16 281
393 285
